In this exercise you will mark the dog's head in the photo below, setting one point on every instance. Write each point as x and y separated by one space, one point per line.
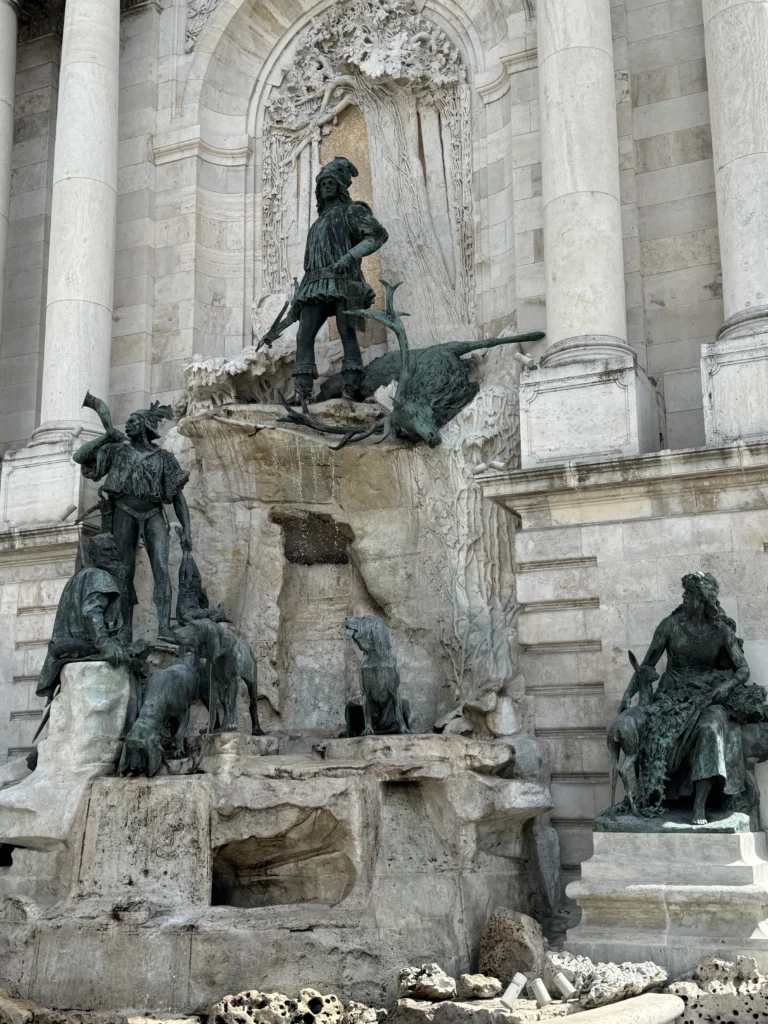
142 751
370 633
198 636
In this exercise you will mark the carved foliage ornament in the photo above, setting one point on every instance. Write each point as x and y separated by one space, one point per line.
39 18
198 15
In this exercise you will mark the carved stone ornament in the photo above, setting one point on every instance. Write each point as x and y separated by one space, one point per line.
388 60
39 18
198 15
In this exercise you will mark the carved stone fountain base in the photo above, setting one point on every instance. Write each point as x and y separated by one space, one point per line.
673 899
335 866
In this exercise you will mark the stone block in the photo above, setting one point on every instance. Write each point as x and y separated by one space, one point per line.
83 741
672 898
734 373
592 408
40 481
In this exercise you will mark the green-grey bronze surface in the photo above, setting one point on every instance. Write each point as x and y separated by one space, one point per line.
159 730
229 660
697 738
727 823
88 618
433 383
139 480
333 283
383 710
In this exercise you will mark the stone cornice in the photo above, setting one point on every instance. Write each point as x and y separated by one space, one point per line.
693 480
186 142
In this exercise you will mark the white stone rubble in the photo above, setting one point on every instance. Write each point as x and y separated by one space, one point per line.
604 983
477 986
426 982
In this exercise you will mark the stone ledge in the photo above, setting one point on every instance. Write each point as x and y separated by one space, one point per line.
650 1008
656 485
484 756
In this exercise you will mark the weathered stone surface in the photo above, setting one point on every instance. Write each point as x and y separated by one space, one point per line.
13 771
577 969
614 982
717 1007
477 986
740 976
651 1008
359 1013
15 1011
601 984
479 1011
275 1008
426 982
87 1017
511 942
83 741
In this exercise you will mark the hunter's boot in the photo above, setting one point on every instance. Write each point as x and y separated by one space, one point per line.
303 384
352 381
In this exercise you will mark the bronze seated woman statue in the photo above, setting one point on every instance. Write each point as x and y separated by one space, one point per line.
692 741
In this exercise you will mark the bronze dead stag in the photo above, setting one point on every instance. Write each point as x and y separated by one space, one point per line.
433 383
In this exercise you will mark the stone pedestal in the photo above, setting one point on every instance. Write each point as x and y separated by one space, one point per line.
40 482
601 405
673 899
734 378
84 738
350 861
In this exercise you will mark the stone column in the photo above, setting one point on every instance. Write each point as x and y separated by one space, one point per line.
8 32
735 366
78 329
584 260
589 399
40 482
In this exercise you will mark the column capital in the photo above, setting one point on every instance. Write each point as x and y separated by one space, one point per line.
39 18
15 5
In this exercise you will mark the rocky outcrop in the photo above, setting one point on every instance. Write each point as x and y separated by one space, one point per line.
426 982
512 942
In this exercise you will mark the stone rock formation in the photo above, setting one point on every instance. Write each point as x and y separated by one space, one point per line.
275 1008
511 942
722 990
428 982
477 986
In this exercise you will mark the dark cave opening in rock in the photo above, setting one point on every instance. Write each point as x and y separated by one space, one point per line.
312 538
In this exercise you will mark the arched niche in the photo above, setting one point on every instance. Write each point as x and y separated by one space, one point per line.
426 143
407 82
